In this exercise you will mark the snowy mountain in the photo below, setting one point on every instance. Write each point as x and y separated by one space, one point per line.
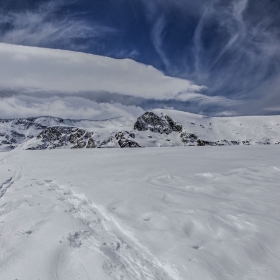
16 131
158 128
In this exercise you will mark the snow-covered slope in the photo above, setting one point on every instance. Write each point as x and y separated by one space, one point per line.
158 128
141 214
251 128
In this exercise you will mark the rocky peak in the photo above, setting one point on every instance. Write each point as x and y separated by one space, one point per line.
175 126
150 121
124 139
59 136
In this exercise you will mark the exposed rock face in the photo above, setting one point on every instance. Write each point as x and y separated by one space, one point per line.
76 138
57 137
109 142
205 143
12 138
192 140
90 143
188 138
175 126
150 121
125 141
16 131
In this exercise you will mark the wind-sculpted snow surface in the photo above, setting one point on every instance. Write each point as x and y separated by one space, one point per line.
158 128
169 214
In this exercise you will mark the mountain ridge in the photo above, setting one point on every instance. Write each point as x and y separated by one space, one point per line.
156 128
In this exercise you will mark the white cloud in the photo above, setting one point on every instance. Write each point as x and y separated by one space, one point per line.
202 99
226 114
38 69
68 107
157 39
47 72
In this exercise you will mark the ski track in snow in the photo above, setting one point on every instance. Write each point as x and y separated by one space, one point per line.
9 182
123 260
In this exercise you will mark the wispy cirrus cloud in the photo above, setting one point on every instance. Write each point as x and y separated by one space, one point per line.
243 53
233 48
157 35
43 27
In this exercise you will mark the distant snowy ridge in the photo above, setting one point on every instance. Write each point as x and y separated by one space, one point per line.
158 128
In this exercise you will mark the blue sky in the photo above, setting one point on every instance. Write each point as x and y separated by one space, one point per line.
231 47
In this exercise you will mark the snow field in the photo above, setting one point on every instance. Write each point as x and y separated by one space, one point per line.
155 213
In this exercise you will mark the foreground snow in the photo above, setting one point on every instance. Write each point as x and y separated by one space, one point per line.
157 213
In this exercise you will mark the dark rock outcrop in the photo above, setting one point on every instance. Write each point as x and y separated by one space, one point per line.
150 121
90 144
124 140
205 143
59 136
20 130
188 138
175 126
108 142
